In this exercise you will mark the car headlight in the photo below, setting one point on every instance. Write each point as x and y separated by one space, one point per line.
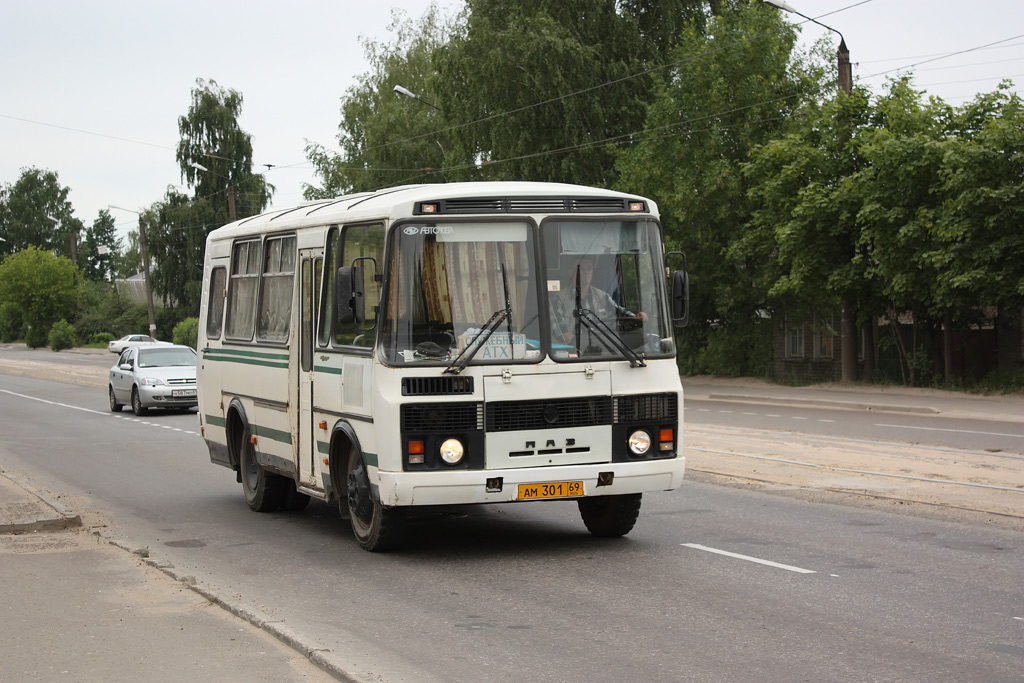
452 451
152 382
639 442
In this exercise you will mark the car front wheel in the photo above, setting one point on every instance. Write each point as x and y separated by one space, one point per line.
137 406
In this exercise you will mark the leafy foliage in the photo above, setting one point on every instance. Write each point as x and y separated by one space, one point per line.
62 336
41 287
187 332
35 211
386 139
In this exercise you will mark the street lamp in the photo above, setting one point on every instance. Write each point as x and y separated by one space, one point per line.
405 92
145 270
232 213
845 69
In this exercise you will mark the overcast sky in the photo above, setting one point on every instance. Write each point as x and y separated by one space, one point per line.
93 89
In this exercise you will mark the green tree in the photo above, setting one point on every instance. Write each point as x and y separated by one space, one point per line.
544 90
386 139
41 286
732 86
35 211
215 157
983 182
215 154
99 248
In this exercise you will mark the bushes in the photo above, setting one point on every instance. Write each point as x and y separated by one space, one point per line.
62 335
186 332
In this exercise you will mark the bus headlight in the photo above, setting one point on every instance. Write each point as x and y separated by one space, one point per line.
452 451
639 442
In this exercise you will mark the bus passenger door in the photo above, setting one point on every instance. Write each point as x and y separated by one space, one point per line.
311 270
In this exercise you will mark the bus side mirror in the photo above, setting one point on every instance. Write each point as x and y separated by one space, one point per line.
349 295
680 298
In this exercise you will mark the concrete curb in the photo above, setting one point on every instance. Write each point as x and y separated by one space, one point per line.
37 512
321 657
824 403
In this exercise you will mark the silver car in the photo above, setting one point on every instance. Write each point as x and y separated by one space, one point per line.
153 377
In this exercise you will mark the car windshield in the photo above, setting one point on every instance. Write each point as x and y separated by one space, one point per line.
460 285
162 358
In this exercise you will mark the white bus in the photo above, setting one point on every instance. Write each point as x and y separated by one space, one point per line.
437 345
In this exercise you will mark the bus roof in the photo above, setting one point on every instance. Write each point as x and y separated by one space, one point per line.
453 199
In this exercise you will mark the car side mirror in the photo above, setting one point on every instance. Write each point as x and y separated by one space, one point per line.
351 306
126 366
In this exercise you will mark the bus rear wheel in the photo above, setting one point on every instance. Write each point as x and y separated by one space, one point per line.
375 527
264 492
610 516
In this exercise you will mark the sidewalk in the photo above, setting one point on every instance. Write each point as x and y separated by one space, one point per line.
80 608
882 399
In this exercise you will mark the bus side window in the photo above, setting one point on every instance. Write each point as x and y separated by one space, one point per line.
215 314
363 246
241 305
276 286
326 313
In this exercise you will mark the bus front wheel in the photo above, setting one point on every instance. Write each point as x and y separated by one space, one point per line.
610 516
375 527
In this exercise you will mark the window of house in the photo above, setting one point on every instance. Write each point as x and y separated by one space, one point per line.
824 337
795 341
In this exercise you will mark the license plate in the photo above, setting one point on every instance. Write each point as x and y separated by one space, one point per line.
183 393
553 489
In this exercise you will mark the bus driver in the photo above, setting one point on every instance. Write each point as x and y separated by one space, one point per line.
563 303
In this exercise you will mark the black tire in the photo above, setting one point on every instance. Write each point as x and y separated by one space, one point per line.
264 492
115 407
610 516
137 406
293 500
375 527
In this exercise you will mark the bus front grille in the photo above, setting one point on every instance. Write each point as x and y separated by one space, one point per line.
436 386
434 418
507 416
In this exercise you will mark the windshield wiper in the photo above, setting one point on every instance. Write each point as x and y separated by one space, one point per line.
599 329
499 316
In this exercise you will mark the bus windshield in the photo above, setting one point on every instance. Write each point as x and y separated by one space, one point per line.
606 293
460 285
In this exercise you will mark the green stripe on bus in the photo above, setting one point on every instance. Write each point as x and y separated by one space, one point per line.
272 434
370 459
323 446
215 420
326 369
270 360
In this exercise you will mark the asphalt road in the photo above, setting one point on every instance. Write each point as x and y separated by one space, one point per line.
715 583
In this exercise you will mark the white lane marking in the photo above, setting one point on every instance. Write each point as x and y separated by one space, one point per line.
772 415
800 418
54 403
956 431
96 412
748 558
826 420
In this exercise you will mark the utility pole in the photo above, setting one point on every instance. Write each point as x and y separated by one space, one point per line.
146 280
848 307
147 283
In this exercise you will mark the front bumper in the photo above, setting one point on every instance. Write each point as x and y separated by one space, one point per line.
163 396
470 486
